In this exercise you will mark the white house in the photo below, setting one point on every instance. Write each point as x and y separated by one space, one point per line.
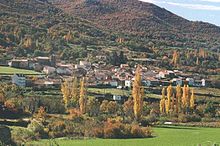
116 97
19 80
77 66
190 81
164 74
200 83
128 83
86 65
177 81
203 82
49 70
113 83
147 83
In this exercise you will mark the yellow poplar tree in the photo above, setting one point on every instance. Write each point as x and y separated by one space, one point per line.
167 106
178 98
74 91
175 57
184 98
187 96
28 42
169 94
173 102
192 100
137 93
66 93
83 98
68 36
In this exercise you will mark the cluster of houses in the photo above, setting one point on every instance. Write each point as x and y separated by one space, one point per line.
97 74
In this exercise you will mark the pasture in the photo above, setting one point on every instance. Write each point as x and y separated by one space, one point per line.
163 136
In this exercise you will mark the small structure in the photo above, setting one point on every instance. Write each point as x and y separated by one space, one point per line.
124 66
128 83
151 81
64 69
23 63
199 83
177 81
190 81
116 97
49 70
43 60
86 65
203 82
113 83
165 74
19 80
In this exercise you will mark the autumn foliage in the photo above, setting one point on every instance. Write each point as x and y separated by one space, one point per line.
137 93
179 100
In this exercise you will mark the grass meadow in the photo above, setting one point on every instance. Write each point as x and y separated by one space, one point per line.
10 71
164 136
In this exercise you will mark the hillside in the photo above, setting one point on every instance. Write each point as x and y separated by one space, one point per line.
33 26
143 20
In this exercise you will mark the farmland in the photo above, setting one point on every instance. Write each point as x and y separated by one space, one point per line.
10 71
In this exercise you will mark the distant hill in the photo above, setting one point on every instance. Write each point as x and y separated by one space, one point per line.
29 25
143 21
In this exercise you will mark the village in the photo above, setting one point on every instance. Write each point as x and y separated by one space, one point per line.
53 73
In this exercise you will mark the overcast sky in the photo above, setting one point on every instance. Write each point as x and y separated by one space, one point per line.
200 10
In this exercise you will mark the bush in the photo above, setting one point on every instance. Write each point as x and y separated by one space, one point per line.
189 118
38 128
182 118
22 135
113 130
56 129
137 131
148 120
93 128
119 130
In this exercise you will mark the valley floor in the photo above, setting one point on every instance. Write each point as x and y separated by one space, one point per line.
164 136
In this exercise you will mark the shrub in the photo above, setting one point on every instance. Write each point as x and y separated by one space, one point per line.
182 118
115 129
189 118
137 131
22 135
56 129
94 132
38 128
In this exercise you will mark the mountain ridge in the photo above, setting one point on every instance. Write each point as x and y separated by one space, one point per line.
143 19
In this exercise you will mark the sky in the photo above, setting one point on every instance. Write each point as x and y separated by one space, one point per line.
196 10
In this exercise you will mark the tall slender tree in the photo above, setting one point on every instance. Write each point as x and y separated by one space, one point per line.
192 100
184 99
169 94
167 106
137 93
75 91
187 96
178 98
83 98
66 93
173 103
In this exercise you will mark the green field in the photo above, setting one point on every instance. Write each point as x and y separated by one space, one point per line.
166 136
10 71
